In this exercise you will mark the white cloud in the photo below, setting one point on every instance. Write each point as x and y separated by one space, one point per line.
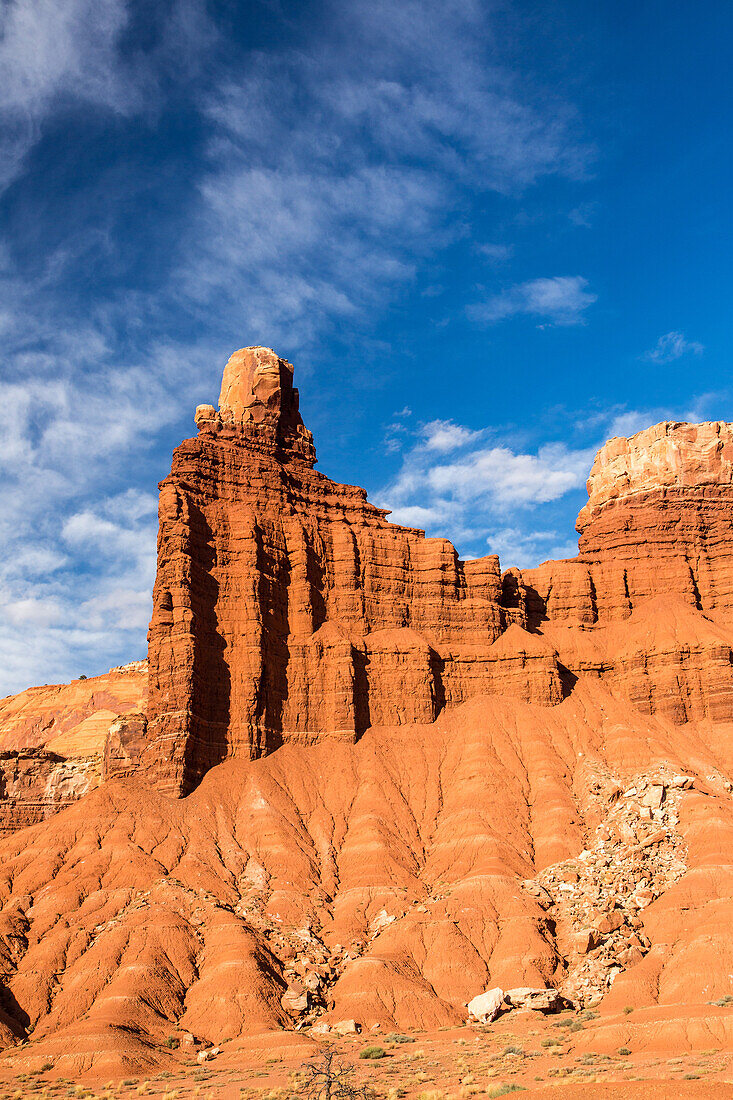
671 346
336 169
445 436
501 474
481 495
561 300
57 54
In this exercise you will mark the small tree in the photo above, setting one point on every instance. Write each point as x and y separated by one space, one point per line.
326 1078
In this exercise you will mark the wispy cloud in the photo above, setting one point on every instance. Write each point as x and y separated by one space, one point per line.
335 170
560 300
480 496
55 56
671 346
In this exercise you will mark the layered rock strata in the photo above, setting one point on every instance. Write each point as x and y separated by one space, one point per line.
52 741
657 521
286 607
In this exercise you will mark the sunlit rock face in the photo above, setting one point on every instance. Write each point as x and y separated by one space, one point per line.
287 608
657 521
434 779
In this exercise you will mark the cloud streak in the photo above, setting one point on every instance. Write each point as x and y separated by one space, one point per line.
560 300
334 171
58 56
671 346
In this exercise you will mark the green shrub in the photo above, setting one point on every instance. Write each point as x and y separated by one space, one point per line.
502 1090
395 1037
624 1052
373 1052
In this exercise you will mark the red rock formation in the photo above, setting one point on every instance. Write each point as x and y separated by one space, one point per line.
286 607
52 741
63 717
457 802
657 521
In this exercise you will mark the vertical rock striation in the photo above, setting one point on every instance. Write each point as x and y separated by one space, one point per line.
286 607
657 521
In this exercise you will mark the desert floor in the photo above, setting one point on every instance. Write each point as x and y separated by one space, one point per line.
565 1056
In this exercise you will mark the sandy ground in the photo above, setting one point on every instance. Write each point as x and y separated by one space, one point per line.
537 1056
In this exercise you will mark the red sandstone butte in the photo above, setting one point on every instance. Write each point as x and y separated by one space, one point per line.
408 780
52 740
287 608
657 521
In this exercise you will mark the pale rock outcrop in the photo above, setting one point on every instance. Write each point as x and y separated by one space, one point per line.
485 1007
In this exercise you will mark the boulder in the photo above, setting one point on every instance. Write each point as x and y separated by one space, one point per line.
485 1007
537 1000
346 1027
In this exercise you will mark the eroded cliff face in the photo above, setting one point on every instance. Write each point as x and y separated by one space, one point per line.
658 520
482 779
52 741
286 607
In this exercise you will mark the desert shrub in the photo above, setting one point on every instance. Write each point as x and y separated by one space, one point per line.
624 1052
503 1090
395 1037
372 1052
628 1010
172 1043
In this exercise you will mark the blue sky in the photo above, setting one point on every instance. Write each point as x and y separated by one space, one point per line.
489 236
